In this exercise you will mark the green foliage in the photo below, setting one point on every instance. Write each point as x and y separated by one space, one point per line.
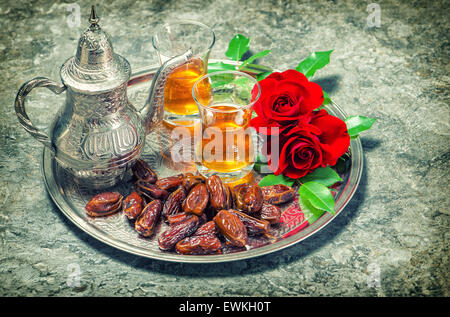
318 195
323 175
358 124
237 47
252 58
272 179
314 62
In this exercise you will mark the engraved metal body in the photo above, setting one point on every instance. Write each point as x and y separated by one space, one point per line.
98 134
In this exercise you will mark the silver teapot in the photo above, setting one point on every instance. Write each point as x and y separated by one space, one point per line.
98 134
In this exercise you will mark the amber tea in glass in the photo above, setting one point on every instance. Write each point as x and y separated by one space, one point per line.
173 39
178 89
225 144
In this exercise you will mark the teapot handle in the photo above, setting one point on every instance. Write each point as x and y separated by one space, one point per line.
21 113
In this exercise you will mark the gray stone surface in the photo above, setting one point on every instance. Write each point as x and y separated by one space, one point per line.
396 226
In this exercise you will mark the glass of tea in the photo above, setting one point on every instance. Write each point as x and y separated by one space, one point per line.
173 39
224 146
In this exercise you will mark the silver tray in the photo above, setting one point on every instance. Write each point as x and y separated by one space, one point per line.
118 232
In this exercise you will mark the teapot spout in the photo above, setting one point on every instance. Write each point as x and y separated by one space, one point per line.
153 111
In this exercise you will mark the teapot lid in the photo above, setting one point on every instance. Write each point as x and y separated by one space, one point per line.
95 67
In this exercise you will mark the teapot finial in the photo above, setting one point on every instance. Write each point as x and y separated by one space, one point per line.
93 19
95 66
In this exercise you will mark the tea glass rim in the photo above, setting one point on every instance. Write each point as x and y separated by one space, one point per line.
184 21
222 73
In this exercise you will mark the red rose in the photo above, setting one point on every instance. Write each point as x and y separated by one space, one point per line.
317 140
285 98
334 138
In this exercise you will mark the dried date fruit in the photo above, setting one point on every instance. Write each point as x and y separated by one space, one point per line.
253 225
146 222
104 204
132 205
270 213
248 198
175 218
277 194
197 200
151 190
229 200
190 180
169 183
174 202
231 227
202 244
143 172
219 194
206 228
177 232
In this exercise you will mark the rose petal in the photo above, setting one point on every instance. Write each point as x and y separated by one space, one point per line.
334 138
314 97
275 75
294 75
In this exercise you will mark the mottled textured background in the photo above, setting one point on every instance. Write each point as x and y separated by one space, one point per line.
391 240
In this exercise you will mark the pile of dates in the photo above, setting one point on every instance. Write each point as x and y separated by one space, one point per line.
203 214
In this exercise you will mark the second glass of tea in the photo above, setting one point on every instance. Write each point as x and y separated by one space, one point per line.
225 144
173 39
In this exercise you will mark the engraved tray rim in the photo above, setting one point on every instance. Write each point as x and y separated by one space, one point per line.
57 194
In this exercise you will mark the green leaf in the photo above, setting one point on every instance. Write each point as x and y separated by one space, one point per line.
257 69
253 57
261 159
318 195
262 168
237 47
323 175
358 124
241 81
326 98
263 75
219 66
275 180
222 79
314 62
311 213
261 165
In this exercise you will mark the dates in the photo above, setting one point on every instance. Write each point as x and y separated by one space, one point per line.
201 215
132 205
207 228
248 198
151 190
146 223
173 219
190 180
253 225
143 172
199 244
219 194
277 194
203 241
177 232
270 213
174 202
169 183
197 200
231 227
104 204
